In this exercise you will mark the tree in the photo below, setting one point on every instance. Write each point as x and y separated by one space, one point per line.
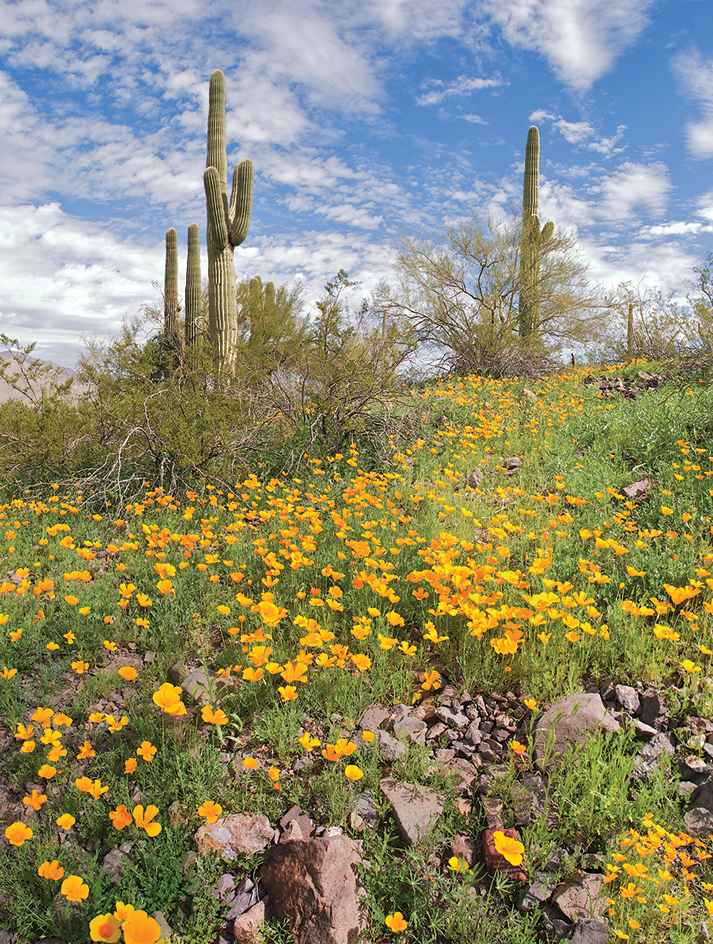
645 323
271 325
461 292
343 382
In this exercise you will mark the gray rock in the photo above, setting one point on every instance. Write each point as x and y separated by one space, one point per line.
246 896
160 918
389 748
374 716
698 821
643 730
454 719
537 893
529 799
416 809
581 896
436 730
571 720
590 931
555 921
653 709
627 698
413 729
113 865
647 758
473 734
493 807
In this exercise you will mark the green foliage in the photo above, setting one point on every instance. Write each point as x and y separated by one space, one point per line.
460 293
271 328
343 384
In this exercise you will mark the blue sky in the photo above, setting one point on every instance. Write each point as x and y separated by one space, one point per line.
364 119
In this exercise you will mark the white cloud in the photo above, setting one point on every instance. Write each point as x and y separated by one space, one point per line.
632 186
51 297
581 133
579 38
696 74
461 86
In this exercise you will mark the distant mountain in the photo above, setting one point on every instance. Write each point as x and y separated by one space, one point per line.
8 393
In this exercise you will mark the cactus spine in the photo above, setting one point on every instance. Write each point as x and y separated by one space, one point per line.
532 240
170 300
194 291
227 227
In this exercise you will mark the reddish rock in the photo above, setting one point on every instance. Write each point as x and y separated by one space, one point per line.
236 834
313 885
494 862
247 927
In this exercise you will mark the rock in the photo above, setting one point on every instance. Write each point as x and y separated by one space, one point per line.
194 682
436 730
160 919
373 717
627 698
473 735
555 921
647 757
313 885
246 927
537 893
463 847
475 478
236 834
494 862
590 931
643 730
302 821
580 896
572 719
493 807
653 709
698 821
246 895
454 719
465 772
113 864
416 809
366 809
529 799
390 749
412 729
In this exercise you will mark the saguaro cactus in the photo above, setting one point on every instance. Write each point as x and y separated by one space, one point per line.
227 227
170 299
194 291
533 238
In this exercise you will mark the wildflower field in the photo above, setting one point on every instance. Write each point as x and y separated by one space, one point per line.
304 599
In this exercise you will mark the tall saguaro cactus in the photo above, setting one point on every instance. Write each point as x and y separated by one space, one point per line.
193 299
532 240
228 224
170 299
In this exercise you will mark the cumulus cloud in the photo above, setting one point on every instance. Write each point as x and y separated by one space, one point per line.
696 75
579 38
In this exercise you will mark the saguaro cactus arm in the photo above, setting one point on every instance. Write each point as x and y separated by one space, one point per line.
241 202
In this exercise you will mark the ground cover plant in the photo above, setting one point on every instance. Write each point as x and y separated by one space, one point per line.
304 599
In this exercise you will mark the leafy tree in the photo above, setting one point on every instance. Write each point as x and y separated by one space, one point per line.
644 323
460 291
271 326
343 382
